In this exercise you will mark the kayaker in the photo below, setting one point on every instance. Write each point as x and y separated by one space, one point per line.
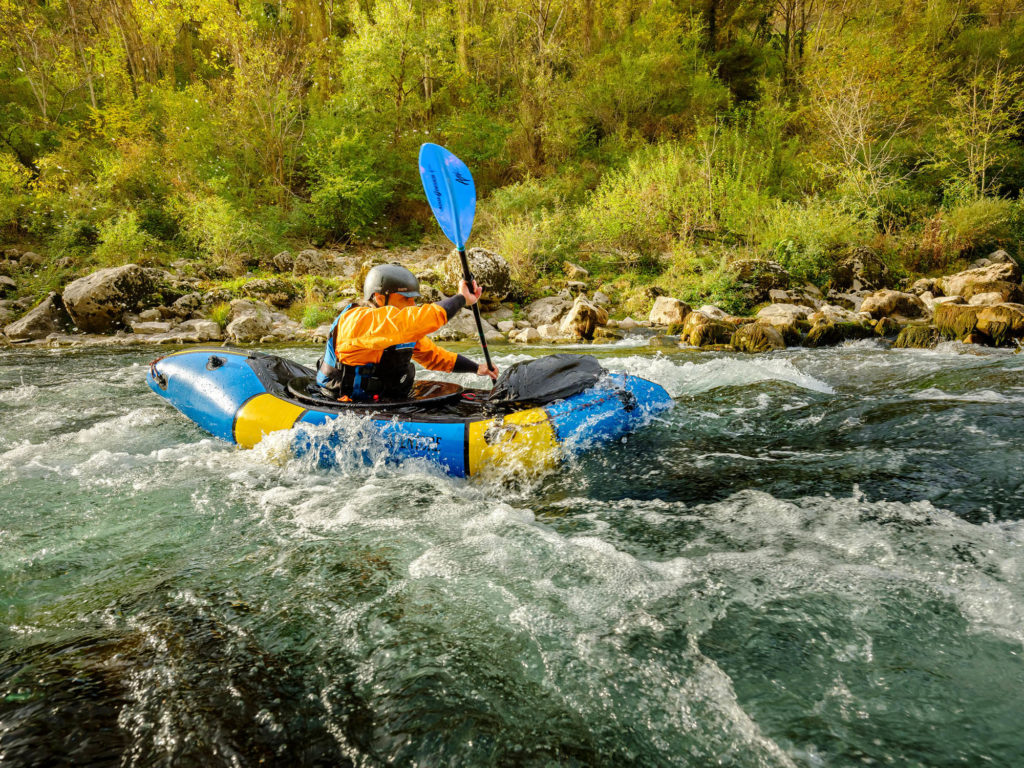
371 346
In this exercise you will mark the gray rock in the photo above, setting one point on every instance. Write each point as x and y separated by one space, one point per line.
150 327
860 269
199 331
7 286
549 332
547 311
489 269
30 260
956 285
781 314
887 303
310 262
283 261
149 316
49 316
462 326
505 326
248 321
601 299
575 286
500 314
526 336
429 294
760 276
97 303
187 305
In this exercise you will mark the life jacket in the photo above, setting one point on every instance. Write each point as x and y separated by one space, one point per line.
392 376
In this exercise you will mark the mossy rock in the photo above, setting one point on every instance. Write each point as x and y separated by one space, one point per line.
1002 322
757 337
917 336
823 335
663 340
887 327
713 332
956 321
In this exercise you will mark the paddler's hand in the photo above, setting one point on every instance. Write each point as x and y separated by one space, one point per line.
471 296
483 370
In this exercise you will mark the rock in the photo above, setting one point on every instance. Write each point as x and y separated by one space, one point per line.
581 320
710 333
1006 292
30 260
714 312
606 333
756 337
851 301
507 326
576 287
49 316
7 286
549 332
527 336
652 292
275 290
956 321
996 257
886 303
283 262
248 321
667 311
917 336
1002 322
924 285
782 314
429 294
860 269
547 310
601 299
627 324
759 276
824 334
310 262
187 305
523 324
830 313
98 302
149 316
462 326
216 296
150 327
957 285
887 327
489 269
575 271
501 313
197 331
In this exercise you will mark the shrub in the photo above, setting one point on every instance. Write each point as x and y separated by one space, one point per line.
219 313
315 315
804 237
122 240
979 227
217 229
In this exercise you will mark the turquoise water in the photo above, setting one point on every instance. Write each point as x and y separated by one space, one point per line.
817 559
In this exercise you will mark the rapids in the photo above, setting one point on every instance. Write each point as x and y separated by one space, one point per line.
815 559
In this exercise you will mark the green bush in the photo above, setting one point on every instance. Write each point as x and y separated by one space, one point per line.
315 315
122 240
980 226
219 313
218 229
804 237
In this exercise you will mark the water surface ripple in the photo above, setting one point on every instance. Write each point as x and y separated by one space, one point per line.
817 559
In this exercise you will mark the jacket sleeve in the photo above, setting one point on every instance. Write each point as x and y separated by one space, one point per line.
433 357
376 329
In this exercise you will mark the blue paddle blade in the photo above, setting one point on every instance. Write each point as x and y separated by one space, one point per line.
450 190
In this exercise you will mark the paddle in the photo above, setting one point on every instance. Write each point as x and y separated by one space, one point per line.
452 196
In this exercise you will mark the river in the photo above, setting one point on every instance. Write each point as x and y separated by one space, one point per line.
816 559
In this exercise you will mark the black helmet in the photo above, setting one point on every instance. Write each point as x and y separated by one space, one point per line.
388 279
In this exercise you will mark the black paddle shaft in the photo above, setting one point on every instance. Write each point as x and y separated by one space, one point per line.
476 308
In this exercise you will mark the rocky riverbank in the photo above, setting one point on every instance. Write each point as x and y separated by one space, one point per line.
133 304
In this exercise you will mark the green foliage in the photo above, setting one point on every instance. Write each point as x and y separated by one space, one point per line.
122 240
315 315
219 313
980 226
218 229
805 237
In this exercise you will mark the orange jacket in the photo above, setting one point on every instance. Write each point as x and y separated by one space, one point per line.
365 332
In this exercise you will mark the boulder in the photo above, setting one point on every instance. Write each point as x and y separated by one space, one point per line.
957 285
30 260
463 326
830 313
429 294
549 332
49 316
924 285
274 290
581 320
150 327
601 299
826 334
917 336
711 333
996 257
97 303
547 311
7 286
187 305
756 337
283 261
489 269
710 310
1002 322
887 327
506 326
629 324
783 314
248 321
575 271
886 303
668 311
607 333
198 331
759 276
956 321
1006 292
526 336
860 269
310 262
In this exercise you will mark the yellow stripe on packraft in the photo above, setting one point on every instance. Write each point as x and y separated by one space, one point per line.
261 415
525 439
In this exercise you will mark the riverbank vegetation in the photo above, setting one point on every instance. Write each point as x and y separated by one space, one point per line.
653 141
